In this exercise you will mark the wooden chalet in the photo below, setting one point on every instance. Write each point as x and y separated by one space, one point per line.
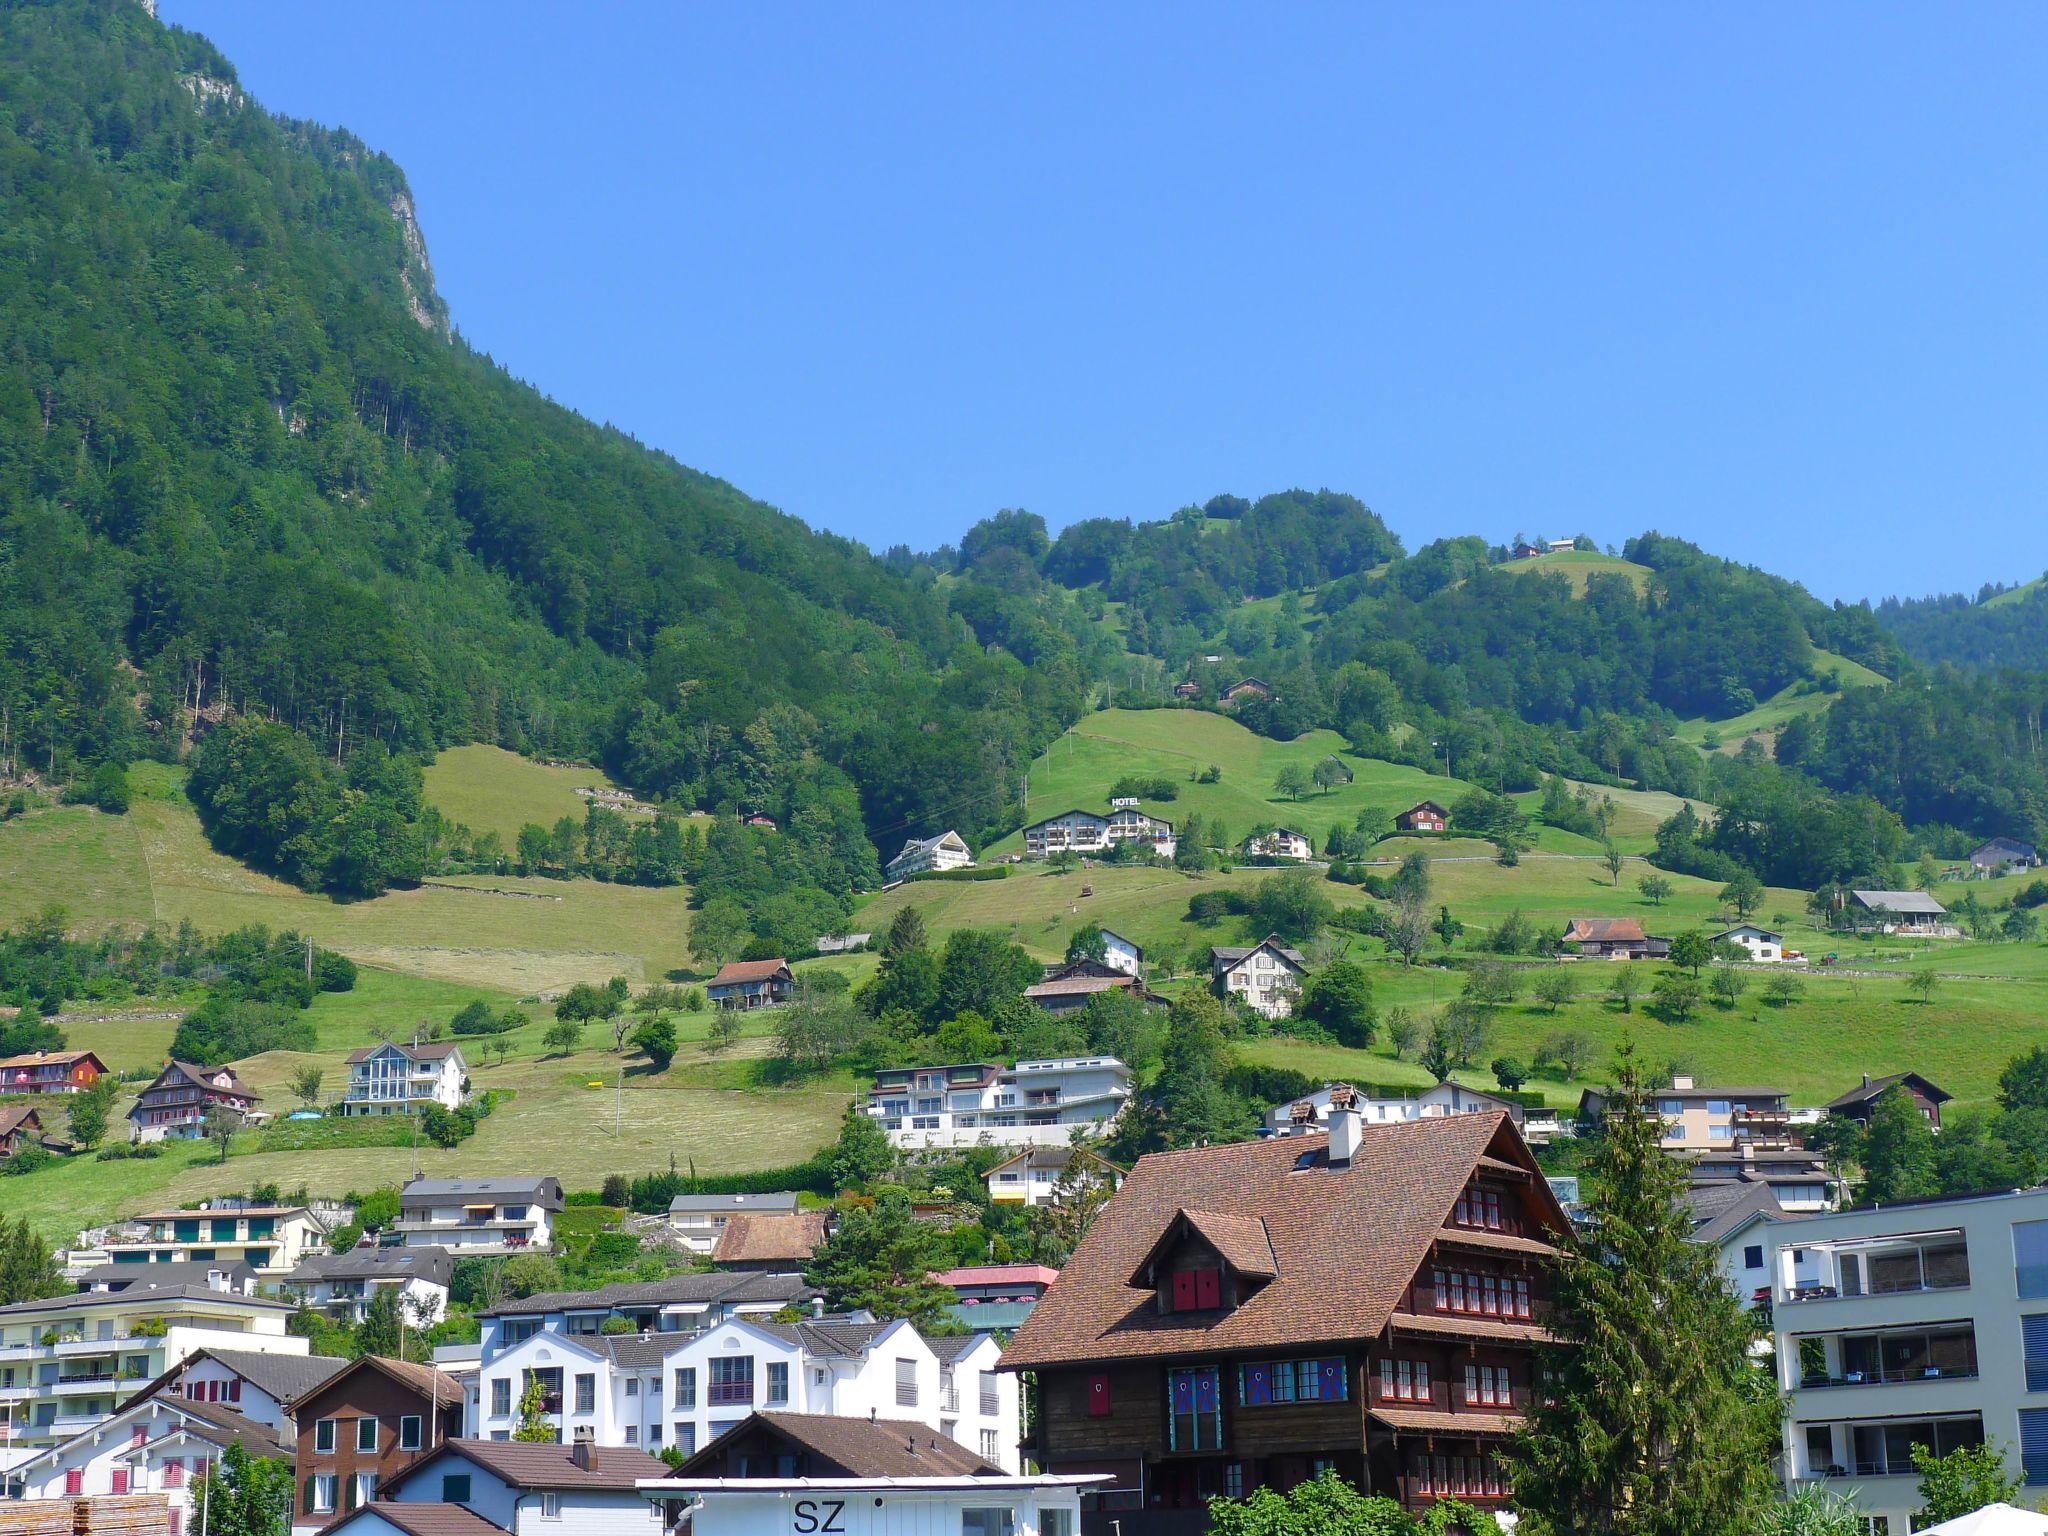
1241 1316
1424 816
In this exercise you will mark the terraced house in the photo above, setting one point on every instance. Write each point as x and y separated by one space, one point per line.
1248 1315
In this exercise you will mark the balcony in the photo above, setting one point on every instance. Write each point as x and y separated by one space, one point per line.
1939 1263
729 1394
1889 1377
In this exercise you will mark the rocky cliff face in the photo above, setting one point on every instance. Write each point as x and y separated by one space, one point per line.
417 275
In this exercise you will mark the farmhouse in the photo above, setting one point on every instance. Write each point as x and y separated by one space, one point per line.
50 1072
2001 856
1912 912
1266 977
1186 690
751 984
1079 831
1527 550
176 1104
20 1124
1759 945
1280 843
1859 1101
948 850
1559 546
1068 987
1249 688
391 1079
1612 938
1209 1337
1035 1103
1424 816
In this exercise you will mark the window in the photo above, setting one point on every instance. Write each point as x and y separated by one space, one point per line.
455 1488
586 1392
409 1432
778 1383
732 1380
74 1481
366 1433
550 1504
906 1383
991 1394
362 1487
2030 1257
2034 1334
323 1437
1060 1522
1291 1381
1487 1386
990 1450
320 1494
686 1387
633 1386
686 1438
988 1522
1719 1132
632 1434
2034 1446
501 1397
1194 1398
1753 1256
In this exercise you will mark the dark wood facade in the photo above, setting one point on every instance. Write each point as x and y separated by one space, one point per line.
370 1421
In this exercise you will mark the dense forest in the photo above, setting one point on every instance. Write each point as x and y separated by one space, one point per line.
2000 627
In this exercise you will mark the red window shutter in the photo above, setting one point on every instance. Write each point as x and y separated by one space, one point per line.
74 1481
1098 1395
1208 1288
1184 1290
139 1436
235 1390
120 1479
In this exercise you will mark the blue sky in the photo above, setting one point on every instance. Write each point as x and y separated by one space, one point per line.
1770 279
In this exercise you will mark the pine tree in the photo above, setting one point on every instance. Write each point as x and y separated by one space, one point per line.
1898 1150
1656 1422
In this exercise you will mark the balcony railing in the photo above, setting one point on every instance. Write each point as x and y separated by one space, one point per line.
1891 1376
725 1394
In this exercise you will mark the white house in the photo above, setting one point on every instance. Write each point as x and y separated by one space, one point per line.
483 1487
948 850
651 1390
1035 1103
699 1220
1924 1323
258 1384
780 1473
343 1284
157 1445
674 1304
1080 831
1039 1175
502 1215
1730 1218
1759 945
1121 954
392 1079
1280 843
1266 977
1306 1116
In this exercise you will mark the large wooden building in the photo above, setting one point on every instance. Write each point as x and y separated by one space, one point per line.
1244 1316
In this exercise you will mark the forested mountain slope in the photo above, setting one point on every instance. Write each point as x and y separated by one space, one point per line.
2000 627
243 466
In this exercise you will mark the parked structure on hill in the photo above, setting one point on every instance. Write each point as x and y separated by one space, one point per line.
392 1079
1085 832
342 1285
1044 1175
948 850
1035 1103
1279 843
272 1239
699 1220
111 1343
1424 816
1859 1101
1208 1337
2001 856
466 1216
751 984
1266 977
1612 938
1311 1115
176 1104
361 1427
50 1072
1924 1322
1909 912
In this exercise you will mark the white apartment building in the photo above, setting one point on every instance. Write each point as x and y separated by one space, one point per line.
1080 831
1035 1103
1921 1323
682 1303
948 850
698 1221
1311 1115
391 1079
652 1390
342 1285
1267 977
1712 1119
468 1216
1280 843
66 1363
271 1239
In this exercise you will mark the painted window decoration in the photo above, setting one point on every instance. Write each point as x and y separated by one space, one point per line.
1197 1290
1265 1382
1194 1399
1098 1395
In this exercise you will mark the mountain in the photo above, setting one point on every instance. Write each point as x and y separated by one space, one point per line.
1999 627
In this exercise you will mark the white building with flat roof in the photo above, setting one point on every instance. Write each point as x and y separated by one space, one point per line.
1920 1323
1034 1103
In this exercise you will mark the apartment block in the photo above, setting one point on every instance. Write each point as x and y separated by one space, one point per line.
1035 1103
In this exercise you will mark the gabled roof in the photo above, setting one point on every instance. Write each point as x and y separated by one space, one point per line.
741 971
1239 1238
719 1288
634 1351
216 1423
951 1346
856 1447
1719 1210
1054 1157
435 1386
284 1377
1084 986
1899 901
14 1116
200 1077
1604 930
431 1051
46 1058
434 1265
418 1519
617 1468
2010 847
1330 1285
783 1200
1870 1088
1424 805
1225 954
770 1237
543 1190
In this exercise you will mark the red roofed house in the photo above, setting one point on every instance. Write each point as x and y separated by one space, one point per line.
751 984
1240 1316
177 1102
1424 816
1613 938
50 1072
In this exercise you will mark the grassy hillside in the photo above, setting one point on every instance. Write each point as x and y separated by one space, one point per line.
1769 717
488 789
1579 566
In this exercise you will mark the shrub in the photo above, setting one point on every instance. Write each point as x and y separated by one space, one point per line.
334 973
479 1018
972 872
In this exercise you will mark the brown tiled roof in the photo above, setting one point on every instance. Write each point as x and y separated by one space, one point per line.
44 1058
423 1519
1603 930
1330 1286
14 1116
756 1239
552 1466
1499 1242
1437 1422
1075 986
866 1447
1495 1164
748 970
423 1379
1241 1240
1470 1327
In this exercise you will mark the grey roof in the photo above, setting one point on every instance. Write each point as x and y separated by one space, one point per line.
171 1272
58 1305
1231 954
951 1346
1871 1087
717 1287
634 1351
1718 1209
543 1190
1899 901
692 1205
841 1338
431 1264
284 1377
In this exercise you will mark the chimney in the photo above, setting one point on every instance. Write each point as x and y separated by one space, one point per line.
1866 1079
817 1306
584 1454
1345 1127
1682 1084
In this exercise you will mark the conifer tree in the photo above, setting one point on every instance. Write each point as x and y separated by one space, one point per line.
1655 1422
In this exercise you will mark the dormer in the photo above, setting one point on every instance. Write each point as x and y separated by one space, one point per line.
1207 1261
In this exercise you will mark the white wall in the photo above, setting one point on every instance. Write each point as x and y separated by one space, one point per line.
579 1512
804 1512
